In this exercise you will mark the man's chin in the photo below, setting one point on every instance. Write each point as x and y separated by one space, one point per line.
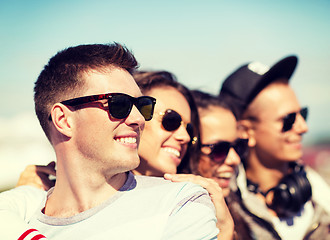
131 164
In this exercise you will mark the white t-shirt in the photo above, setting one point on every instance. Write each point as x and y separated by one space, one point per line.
144 208
295 227
17 206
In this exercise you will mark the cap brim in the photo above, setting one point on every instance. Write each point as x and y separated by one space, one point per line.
282 69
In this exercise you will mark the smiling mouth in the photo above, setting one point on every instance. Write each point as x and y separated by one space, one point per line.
224 175
127 140
173 151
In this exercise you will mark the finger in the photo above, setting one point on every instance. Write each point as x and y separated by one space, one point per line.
209 184
181 177
168 176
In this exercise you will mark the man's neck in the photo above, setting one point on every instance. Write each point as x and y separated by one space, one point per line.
72 197
265 176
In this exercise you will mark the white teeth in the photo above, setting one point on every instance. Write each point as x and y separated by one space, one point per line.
173 151
126 140
225 175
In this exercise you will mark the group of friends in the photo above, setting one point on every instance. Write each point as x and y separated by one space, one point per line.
141 156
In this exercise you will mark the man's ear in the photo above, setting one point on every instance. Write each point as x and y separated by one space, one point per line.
245 130
62 120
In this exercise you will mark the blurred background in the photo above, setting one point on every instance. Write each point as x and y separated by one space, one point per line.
201 42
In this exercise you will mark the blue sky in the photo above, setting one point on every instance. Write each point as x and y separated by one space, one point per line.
201 42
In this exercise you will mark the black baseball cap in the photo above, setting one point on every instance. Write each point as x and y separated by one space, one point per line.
243 85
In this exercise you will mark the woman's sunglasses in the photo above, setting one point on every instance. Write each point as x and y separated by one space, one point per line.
119 104
220 150
290 119
172 120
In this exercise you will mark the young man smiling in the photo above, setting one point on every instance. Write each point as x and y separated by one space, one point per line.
279 197
93 113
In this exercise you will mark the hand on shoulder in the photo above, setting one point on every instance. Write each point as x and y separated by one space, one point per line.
225 221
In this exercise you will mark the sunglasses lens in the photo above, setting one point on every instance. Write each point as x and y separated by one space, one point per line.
288 121
241 146
171 120
146 107
304 113
120 106
220 151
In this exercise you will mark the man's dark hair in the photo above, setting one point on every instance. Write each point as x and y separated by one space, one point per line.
62 77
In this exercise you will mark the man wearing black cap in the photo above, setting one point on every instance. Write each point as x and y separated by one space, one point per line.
280 198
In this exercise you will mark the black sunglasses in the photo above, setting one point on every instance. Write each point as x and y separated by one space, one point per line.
290 119
172 120
219 150
119 104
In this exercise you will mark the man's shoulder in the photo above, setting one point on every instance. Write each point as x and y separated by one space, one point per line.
24 192
320 189
188 208
160 188
23 201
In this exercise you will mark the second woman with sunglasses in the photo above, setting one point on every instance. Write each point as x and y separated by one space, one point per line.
220 152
